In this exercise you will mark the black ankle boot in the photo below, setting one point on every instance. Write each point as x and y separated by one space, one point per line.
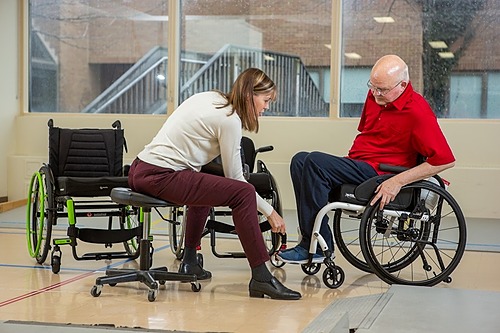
273 289
196 269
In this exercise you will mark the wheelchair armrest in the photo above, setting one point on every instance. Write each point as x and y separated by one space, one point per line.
398 169
264 149
392 168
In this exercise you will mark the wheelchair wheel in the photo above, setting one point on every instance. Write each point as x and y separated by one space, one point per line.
346 235
176 230
420 246
40 214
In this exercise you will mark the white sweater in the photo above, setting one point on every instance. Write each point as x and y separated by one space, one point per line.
195 134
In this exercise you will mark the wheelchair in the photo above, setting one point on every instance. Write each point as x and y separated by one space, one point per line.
418 239
84 166
257 174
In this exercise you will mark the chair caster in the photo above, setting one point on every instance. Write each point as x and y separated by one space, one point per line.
196 287
152 293
96 290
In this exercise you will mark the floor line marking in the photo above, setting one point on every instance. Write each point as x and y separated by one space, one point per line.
65 282
42 290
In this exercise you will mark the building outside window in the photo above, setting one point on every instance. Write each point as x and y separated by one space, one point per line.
113 56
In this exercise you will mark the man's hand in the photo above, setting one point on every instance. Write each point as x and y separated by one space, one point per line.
386 192
277 223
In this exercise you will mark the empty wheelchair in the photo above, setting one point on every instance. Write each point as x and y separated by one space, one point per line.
219 221
418 239
84 165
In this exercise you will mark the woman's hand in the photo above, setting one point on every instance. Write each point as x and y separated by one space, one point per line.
277 223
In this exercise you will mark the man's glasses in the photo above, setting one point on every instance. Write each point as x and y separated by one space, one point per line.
379 91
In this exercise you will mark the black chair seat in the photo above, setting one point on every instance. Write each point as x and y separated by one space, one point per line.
125 196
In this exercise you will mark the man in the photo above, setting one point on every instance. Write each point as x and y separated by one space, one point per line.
396 126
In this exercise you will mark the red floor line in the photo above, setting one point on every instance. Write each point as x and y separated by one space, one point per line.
39 291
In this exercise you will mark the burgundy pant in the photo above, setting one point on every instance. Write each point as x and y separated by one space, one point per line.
201 191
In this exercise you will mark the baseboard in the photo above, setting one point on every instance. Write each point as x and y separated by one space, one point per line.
5 206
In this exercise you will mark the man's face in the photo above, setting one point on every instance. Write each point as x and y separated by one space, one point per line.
385 91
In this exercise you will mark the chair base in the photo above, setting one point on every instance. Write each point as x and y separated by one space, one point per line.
152 278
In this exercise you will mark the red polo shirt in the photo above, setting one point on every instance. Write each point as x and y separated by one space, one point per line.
398 132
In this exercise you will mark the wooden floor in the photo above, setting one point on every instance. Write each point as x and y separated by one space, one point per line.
31 292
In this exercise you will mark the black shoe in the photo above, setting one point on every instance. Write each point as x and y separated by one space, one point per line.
273 289
195 269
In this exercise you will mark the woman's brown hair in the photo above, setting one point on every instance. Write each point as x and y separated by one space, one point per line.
251 81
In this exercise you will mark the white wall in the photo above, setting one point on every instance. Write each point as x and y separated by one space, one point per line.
474 180
8 85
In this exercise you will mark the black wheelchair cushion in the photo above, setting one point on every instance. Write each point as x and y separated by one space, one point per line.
89 186
361 194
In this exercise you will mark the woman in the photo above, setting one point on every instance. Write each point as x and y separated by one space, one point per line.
203 127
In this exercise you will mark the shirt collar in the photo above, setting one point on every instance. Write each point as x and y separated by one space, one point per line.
400 102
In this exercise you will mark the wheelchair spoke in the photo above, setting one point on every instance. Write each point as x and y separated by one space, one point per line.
422 246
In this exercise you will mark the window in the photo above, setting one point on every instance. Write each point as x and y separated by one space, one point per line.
288 40
111 56
448 46
98 56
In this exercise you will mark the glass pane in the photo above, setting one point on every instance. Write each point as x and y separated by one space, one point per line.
493 94
98 56
465 96
352 97
288 40
435 38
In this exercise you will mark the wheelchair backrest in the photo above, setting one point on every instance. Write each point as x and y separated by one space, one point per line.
86 152
248 152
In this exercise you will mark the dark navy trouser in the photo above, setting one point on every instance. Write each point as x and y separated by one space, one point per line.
201 191
314 175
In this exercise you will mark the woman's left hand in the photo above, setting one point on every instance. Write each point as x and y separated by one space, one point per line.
277 223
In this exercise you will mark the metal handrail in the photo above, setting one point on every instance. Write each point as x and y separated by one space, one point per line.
140 91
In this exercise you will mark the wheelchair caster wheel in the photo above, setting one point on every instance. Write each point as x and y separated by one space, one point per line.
162 282
112 284
196 287
152 293
333 277
96 290
311 269
55 263
276 262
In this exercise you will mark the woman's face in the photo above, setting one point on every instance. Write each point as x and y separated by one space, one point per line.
261 103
